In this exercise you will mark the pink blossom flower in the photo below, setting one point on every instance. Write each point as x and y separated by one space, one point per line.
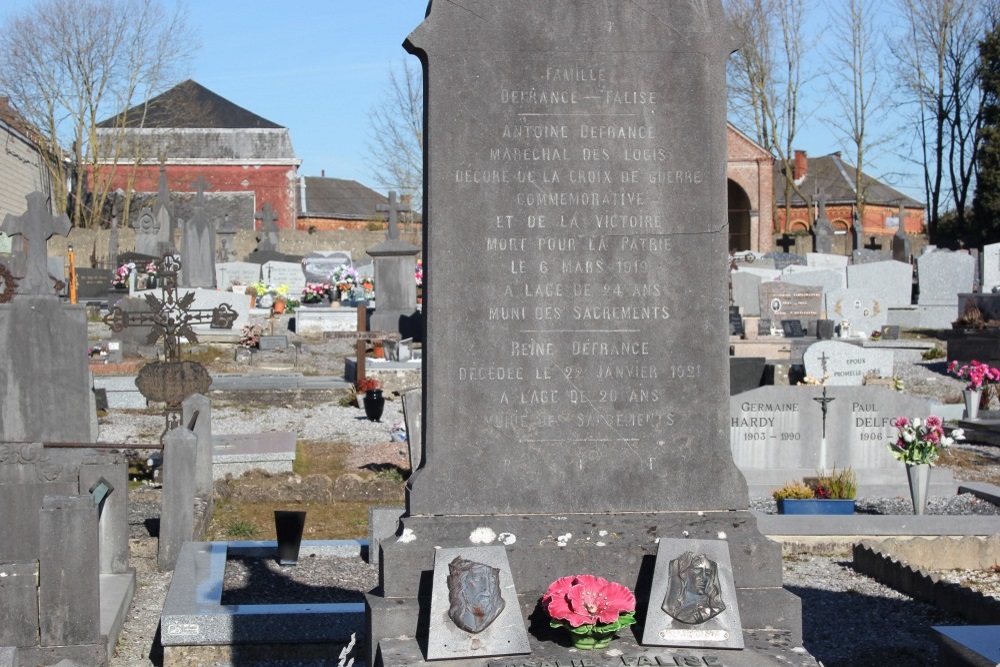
933 422
587 600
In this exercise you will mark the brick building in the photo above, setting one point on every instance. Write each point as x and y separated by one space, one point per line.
830 174
337 203
749 171
200 133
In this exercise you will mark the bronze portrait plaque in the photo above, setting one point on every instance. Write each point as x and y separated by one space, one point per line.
694 595
474 594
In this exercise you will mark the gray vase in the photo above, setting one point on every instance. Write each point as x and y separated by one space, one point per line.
919 476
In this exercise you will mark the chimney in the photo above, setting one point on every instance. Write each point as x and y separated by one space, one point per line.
322 173
800 167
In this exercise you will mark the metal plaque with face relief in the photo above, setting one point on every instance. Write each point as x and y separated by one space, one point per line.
692 601
474 594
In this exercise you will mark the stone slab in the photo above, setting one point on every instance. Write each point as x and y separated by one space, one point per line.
689 604
193 613
745 292
785 301
382 523
826 261
863 308
240 273
234 454
972 645
943 274
207 299
846 364
505 636
316 321
828 279
890 281
991 267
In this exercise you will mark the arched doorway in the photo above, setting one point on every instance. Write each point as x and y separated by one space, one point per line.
739 218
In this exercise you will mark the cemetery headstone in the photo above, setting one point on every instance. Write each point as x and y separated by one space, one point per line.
395 262
225 242
318 265
902 247
822 228
861 307
240 273
825 261
735 322
792 329
784 259
891 282
147 228
746 287
828 279
846 364
991 267
868 256
786 301
113 243
199 243
166 225
943 275
284 273
540 304
268 229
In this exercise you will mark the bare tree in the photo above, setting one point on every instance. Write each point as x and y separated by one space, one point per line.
937 59
66 64
856 84
766 78
396 141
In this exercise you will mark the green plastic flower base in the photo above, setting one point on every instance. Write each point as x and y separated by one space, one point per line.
590 642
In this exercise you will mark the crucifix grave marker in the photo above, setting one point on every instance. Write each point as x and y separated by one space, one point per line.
36 226
268 228
172 318
873 244
786 242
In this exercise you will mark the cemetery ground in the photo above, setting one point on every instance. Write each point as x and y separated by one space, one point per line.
344 464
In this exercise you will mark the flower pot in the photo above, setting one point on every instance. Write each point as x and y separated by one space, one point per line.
279 307
151 282
919 477
253 300
815 506
972 398
374 404
288 525
378 351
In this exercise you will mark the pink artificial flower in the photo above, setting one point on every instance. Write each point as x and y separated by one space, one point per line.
587 600
933 422
900 422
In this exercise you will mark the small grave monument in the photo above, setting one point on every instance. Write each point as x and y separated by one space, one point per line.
822 229
846 364
395 289
198 243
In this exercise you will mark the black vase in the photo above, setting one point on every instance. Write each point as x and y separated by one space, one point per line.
374 404
288 525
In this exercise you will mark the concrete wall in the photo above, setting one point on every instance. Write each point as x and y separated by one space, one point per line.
22 171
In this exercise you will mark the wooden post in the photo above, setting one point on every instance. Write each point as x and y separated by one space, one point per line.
362 351
363 317
72 275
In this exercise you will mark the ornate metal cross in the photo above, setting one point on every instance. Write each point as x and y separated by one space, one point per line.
172 318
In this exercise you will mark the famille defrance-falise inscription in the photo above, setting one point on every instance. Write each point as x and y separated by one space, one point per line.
579 243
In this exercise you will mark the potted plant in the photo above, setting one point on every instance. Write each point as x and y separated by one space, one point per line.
592 609
918 445
831 493
314 293
278 306
119 280
250 335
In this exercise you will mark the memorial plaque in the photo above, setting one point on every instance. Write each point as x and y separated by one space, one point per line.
735 322
272 343
92 283
792 329
890 332
785 301
284 273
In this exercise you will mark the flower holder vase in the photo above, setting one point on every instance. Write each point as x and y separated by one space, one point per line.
374 404
288 526
972 398
919 477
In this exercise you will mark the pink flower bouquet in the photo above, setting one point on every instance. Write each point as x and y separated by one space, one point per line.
921 441
975 373
591 608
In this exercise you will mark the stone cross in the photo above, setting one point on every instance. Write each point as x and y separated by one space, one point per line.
822 229
819 198
394 208
873 245
268 228
901 246
200 186
36 226
785 242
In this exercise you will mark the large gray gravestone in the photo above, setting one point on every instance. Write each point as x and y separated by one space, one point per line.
828 279
577 197
242 273
319 264
890 281
198 250
777 436
943 275
284 273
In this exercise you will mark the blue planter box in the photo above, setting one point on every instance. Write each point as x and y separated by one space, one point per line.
815 506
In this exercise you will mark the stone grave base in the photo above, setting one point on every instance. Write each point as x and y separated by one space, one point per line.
273 452
394 375
618 547
762 648
316 321
769 347
196 628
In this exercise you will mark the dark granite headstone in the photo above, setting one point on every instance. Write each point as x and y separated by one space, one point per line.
92 283
792 329
745 373
735 322
575 148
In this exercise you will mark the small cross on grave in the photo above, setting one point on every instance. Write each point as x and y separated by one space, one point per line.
819 198
873 245
268 218
785 242
200 186
36 226
393 208
172 318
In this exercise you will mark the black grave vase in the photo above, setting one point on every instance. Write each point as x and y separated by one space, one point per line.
374 404
288 525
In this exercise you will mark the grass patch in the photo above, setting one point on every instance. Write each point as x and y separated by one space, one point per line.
324 521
